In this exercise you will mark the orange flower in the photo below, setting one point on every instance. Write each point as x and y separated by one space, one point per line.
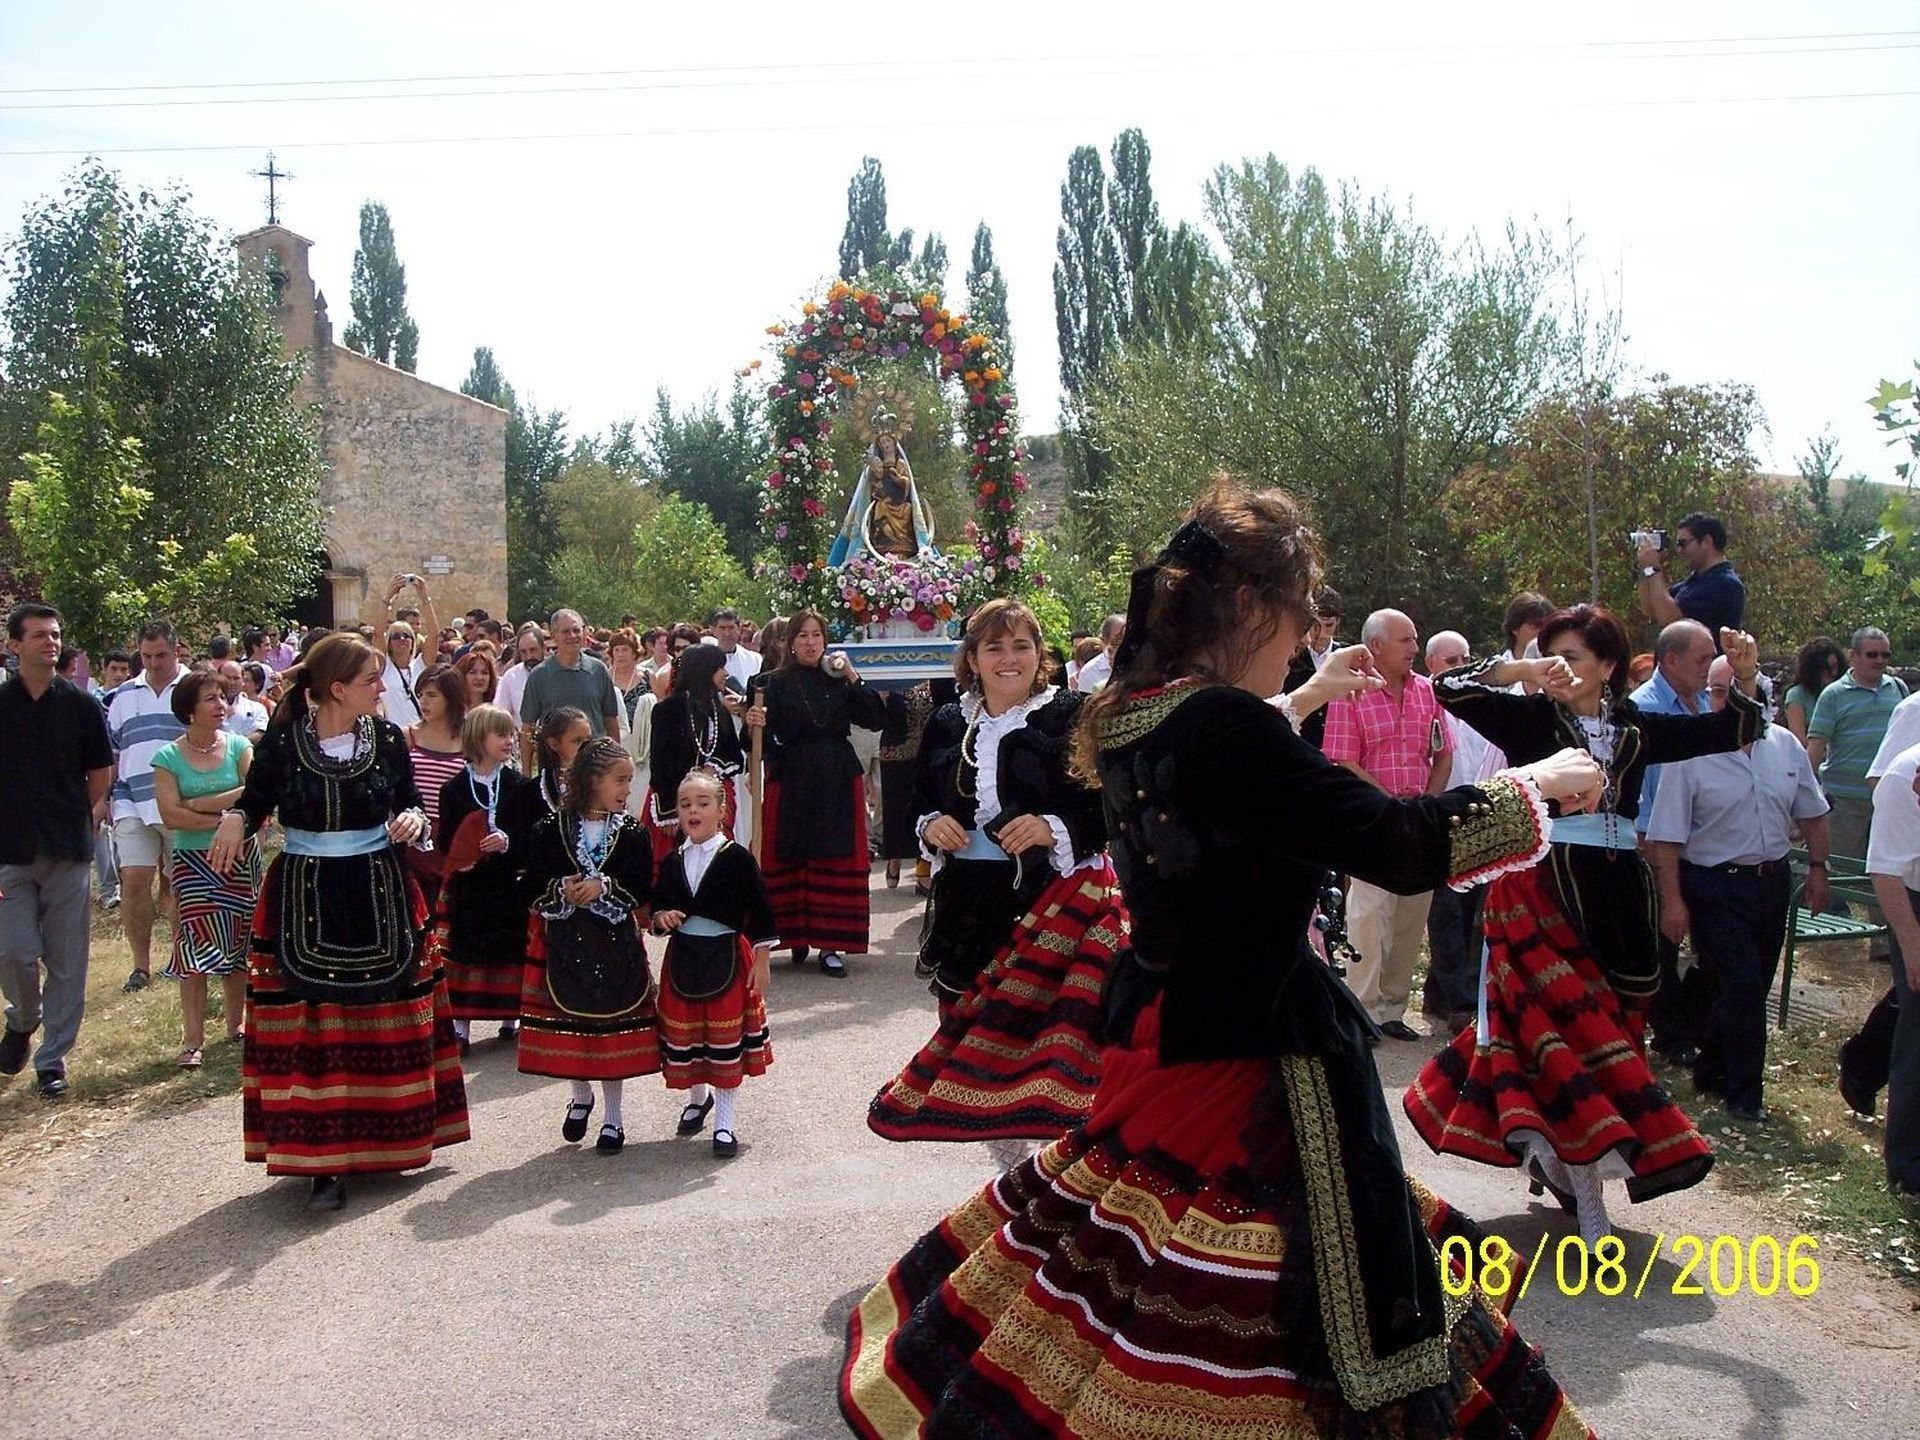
972 377
809 308
856 343
856 602
806 407
776 329
791 351
929 301
939 332
840 291
993 372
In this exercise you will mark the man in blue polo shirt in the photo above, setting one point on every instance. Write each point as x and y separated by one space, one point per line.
1710 592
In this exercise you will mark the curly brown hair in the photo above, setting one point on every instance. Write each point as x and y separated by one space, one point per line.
992 620
1208 621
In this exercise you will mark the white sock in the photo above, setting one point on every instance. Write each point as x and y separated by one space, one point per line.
582 1092
723 1107
612 1117
1590 1206
697 1095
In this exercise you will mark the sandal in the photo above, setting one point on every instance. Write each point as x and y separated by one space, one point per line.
190 1059
694 1117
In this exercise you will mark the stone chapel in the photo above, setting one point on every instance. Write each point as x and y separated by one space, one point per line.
416 473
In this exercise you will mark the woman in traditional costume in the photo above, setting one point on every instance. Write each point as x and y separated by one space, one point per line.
691 729
350 1063
1553 1073
1026 913
1229 1244
899 757
587 1001
712 904
487 813
195 778
814 851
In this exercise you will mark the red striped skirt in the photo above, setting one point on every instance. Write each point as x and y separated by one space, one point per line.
475 991
1018 1055
337 1089
718 1041
1127 1280
1561 1059
574 1047
820 902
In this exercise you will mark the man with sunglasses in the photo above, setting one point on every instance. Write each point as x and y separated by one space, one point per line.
1711 592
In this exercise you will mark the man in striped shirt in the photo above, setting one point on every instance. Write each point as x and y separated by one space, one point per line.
139 721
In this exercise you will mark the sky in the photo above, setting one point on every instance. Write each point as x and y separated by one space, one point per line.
617 198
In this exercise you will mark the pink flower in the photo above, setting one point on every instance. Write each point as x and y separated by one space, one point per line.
1007 504
813 507
1020 483
774 482
923 620
982 448
979 399
798 572
805 377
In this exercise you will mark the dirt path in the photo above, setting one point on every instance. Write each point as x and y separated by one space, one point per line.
153 1284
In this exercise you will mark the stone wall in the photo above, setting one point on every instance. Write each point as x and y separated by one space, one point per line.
415 470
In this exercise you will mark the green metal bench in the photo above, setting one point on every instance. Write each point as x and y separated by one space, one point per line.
1847 880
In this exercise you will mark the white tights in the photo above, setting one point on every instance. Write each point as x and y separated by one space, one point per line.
583 1095
723 1103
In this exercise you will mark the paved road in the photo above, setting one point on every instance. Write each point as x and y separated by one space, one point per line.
152 1284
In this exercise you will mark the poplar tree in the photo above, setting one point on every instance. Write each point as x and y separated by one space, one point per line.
381 326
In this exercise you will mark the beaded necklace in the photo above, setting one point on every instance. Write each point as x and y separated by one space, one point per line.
593 856
704 749
485 794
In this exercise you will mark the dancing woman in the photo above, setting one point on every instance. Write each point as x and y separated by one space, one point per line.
1026 912
350 1063
1228 1244
814 851
1553 1074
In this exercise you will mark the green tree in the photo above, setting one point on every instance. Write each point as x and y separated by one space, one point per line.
1653 455
712 456
1138 235
866 240
1346 351
137 312
600 509
685 569
381 326
987 294
537 451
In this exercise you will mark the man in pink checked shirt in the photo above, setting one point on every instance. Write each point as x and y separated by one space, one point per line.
1395 738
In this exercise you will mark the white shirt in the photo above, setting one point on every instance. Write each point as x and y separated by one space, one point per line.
513 684
1475 758
245 716
1903 733
986 787
139 722
1319 657
402 709
1738 808
1095 673
743 664
696 857
1893 844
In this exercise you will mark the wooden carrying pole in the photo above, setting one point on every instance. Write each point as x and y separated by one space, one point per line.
756 776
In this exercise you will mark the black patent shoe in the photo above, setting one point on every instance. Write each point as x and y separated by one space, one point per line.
329 1193
612 1140
574 1127
801 954
725 1144
693 1118
832 964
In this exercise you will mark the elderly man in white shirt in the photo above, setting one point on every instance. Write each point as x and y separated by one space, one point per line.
529 649
1893 860
1717 838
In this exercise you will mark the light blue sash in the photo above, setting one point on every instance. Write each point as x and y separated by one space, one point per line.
979 847
336 842
701 926
1593 830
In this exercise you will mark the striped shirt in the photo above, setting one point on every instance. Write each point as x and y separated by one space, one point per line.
139 722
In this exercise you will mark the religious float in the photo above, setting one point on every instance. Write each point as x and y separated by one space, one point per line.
892 598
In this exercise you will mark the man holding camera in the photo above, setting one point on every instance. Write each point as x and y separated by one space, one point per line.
1711 591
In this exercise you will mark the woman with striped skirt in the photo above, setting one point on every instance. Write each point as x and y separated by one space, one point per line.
350 1064
195 778
1027 914
814 851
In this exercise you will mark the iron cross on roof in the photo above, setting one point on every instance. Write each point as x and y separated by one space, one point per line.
272 175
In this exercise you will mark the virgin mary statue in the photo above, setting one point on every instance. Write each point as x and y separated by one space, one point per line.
885 516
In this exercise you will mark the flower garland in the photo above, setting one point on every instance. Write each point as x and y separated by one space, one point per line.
929 591
819 359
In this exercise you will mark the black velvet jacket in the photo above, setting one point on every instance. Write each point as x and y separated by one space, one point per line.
313 791
1031 777
810 714
674 752
486 913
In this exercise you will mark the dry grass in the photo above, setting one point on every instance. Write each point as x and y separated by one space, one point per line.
123 1064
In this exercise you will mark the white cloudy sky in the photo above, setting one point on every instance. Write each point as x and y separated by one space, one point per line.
632 192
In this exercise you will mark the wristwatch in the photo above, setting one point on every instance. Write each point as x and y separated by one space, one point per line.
1647 572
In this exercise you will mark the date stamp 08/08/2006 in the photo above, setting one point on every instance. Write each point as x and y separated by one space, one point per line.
1723 1265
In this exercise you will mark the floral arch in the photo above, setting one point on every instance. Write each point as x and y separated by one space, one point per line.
819 361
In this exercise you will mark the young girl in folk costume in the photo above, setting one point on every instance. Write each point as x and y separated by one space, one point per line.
587 1004
712 902
1552 1074
1228 1244
1027 913
692 728
557 738
487 813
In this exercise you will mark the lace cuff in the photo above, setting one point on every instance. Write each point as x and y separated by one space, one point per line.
1503 831
1062 854
1284 704
424 841
927 852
